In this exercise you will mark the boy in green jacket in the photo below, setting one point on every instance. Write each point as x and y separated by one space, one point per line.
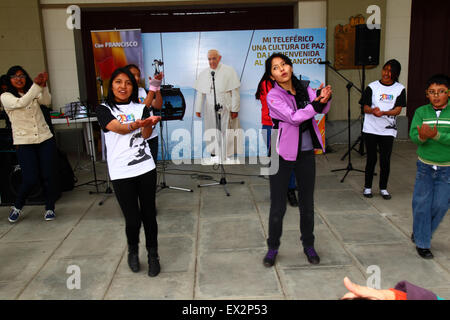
430 130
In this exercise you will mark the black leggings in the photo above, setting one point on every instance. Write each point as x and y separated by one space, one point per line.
136 197
384 144
305 173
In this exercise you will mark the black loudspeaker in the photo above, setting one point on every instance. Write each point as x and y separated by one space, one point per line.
11 179
367 46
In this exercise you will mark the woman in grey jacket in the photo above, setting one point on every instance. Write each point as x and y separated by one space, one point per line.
292 106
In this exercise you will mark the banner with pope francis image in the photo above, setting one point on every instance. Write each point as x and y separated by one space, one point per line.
232 63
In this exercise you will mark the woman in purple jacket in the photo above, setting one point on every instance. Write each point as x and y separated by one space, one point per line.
292 106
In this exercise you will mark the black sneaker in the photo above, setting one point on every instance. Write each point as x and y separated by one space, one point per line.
153 266
424 253
269 259
292 198
133 261
312 255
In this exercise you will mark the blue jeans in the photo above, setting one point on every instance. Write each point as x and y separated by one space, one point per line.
430 201
292 184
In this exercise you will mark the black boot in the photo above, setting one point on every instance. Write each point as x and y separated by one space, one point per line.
153 262
292 198
133 258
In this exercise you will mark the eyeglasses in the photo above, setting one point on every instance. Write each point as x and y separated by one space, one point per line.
436 93
22 76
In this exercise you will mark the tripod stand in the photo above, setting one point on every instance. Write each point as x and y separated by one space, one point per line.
108 190
360 139
163 184
349 164
90 137
223 180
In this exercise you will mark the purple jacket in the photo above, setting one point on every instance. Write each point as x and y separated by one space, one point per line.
414 292
282 106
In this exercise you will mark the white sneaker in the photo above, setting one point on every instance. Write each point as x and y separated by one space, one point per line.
210 161
215 160
232 161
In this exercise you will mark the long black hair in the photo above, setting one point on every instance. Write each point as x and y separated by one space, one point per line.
301 91
396 67
265 80
110 98
28 82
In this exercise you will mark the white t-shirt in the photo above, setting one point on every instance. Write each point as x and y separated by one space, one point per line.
385 98
142 94
128 155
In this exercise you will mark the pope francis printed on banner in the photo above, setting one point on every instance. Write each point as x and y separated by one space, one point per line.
227 94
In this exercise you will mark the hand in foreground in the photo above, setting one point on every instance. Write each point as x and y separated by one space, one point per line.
357 291
425 132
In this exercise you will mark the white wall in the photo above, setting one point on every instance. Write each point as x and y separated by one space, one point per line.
312 14
60 50
398 25
21 37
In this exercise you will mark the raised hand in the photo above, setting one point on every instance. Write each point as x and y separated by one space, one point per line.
325 94
159 76
155 83
45 75
151 121
41 79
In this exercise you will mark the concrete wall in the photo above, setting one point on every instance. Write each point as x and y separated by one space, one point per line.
312 14
21 39
339 12
60 51
398 25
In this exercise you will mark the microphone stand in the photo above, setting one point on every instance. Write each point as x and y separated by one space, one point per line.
348 86
163 185
360 139
223 180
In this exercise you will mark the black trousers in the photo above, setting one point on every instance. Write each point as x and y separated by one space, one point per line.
37 162
305 173
384 144
136 197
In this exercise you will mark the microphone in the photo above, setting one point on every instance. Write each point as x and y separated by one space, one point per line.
324 62
99 79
